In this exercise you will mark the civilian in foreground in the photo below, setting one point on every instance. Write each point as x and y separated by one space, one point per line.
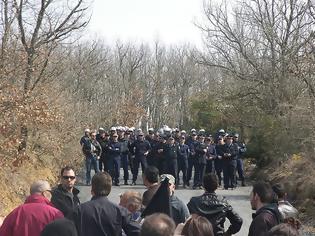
30 218
60 227
100 217
65 195
197 225
158 224
267 214
215 208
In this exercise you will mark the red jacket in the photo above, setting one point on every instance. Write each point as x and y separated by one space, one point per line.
30 218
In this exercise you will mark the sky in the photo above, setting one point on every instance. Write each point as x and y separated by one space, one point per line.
169 21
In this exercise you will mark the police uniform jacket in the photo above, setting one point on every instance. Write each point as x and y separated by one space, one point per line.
200 153
171 151
140 147
114 149
183 152
231 149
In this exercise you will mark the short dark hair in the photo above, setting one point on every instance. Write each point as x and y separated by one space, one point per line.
158 224
66 168
279 190
197 225
210 182
264 191
101 184
151 173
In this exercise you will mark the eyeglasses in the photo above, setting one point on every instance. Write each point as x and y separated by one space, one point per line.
68 177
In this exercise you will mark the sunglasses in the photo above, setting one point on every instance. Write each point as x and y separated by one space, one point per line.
68 177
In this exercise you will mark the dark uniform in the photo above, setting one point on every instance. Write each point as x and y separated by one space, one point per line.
239 165
211 156
201 150
103 141
92 150
114 160
183 153
192 160
160 157
218 162
170 153
229 164
124 149
139 149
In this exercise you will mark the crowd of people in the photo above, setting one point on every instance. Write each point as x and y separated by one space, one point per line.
157 212
172 151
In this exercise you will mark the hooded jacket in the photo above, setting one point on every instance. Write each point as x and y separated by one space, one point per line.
216 209
30 218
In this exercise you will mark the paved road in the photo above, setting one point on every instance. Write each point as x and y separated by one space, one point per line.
238 198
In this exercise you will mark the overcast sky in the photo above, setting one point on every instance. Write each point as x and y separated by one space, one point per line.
170 21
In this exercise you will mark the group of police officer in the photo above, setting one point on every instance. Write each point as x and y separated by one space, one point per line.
172 151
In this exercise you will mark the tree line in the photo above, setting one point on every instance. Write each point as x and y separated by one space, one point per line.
254 74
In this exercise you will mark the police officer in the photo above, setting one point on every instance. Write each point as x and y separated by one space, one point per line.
124 149
159 153
182 159
201 151
151 138
115 158
170 152
218 162
210 155
103 140
192 160
230 152
239 165
140 148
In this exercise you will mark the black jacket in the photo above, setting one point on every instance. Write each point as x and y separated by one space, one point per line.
65 201
100 217
216 209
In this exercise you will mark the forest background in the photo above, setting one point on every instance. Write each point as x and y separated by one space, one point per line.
254 75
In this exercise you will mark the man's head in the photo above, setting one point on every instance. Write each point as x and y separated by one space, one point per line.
41 187
93 135
229 139
115 137
279 191
182 139
87 132
210 182
140 136
171 182
150 176
261 195
101 184
131 200
171 140
197 225
67 178
158 224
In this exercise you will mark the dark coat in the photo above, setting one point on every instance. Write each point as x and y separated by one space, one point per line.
216 209
200 153
100 217
138 148
64 201
264 219
231 149
60 227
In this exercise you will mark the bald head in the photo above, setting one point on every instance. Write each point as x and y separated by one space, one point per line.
158 224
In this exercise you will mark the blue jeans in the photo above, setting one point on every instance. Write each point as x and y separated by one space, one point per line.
89 162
